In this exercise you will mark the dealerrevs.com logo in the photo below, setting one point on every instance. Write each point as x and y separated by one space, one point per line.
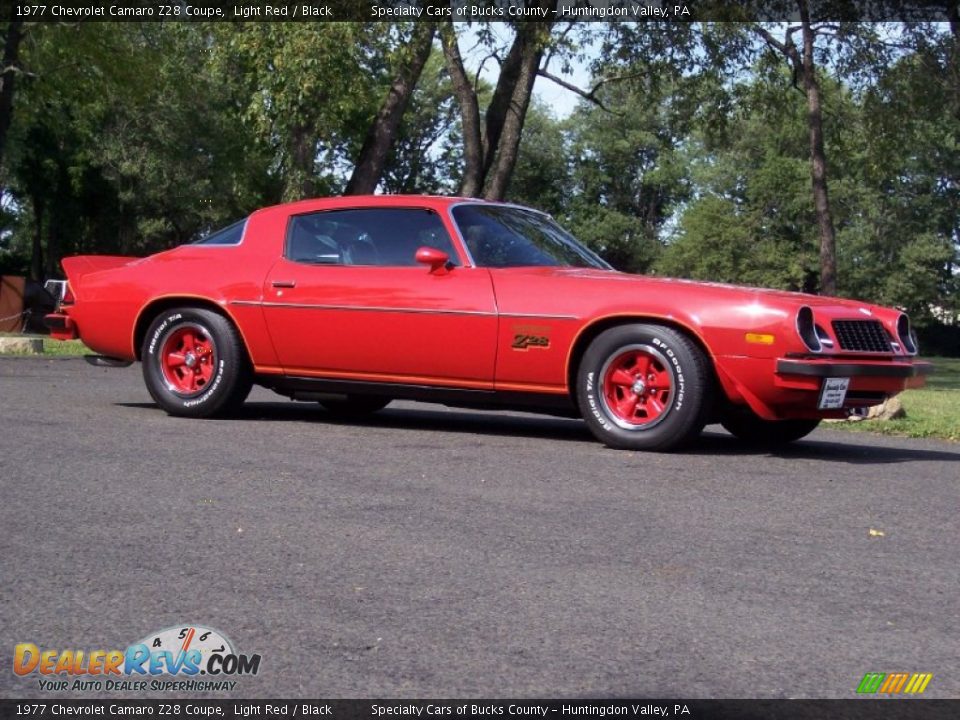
197 657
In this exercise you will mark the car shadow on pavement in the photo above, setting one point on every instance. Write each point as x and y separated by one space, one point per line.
474 422
861 449
714 442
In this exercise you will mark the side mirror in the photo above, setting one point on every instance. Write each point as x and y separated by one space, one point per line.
437 259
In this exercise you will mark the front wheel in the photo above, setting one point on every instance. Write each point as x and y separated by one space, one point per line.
194 363
644 387
749 427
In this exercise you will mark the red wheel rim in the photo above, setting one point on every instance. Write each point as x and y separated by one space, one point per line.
637 387
187 359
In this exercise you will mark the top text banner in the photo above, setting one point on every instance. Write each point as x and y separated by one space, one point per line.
472 11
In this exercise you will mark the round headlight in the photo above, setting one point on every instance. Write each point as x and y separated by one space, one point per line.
908 338
807 329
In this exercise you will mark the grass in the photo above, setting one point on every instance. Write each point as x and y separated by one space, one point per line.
932 411
62 348
68 348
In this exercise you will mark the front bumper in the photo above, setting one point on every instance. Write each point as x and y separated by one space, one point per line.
789 387
827 368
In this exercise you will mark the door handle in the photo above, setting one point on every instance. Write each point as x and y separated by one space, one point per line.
284 283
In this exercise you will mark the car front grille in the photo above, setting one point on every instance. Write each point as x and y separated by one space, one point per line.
861 335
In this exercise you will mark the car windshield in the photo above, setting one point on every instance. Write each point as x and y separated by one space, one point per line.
503 236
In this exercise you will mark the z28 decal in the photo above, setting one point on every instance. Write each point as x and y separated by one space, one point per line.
530 336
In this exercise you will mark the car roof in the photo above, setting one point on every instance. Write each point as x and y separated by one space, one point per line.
434 202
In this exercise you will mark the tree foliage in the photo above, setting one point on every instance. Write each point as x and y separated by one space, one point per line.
689 152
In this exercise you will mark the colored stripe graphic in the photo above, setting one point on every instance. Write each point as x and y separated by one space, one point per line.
918 683
893 683
871 682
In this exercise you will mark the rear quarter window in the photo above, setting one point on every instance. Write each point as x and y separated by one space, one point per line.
230 235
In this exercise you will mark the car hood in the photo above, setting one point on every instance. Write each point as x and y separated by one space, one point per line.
720 290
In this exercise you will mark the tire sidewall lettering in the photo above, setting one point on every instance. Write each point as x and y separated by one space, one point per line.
159 332
211 389
677 370
594 402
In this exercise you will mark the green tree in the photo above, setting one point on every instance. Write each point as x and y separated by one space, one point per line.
629 171
124 142
541 177
751 218
408 62
427 152
308 91
911 163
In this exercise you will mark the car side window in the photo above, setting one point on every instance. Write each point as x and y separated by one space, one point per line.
382 237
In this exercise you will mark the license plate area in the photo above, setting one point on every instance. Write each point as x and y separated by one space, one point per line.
833 393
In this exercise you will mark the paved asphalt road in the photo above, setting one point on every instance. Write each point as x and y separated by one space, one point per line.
439 553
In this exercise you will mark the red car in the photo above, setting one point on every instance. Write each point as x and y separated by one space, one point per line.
355 301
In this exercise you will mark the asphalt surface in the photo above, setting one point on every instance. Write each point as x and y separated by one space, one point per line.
443 553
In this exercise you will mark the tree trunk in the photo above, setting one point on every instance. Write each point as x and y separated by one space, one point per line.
380 138
36 255
472 181
299 184
490 153
8 75
501 103
818 160
503 154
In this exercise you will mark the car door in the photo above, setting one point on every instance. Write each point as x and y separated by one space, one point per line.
348 300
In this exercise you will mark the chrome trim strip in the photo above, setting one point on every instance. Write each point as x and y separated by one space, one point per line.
363 308
463 242
426 311
544 316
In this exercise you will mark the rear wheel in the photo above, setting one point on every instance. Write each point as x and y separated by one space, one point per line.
354 406
194 363
644 387
746 425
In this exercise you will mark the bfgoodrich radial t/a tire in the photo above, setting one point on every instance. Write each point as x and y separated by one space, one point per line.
644 387
194 363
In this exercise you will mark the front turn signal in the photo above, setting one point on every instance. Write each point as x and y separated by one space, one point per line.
760 338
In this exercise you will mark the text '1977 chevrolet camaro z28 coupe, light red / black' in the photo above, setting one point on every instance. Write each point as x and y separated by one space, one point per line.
355 301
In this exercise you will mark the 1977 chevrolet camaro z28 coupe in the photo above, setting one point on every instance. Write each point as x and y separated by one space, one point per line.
355 301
